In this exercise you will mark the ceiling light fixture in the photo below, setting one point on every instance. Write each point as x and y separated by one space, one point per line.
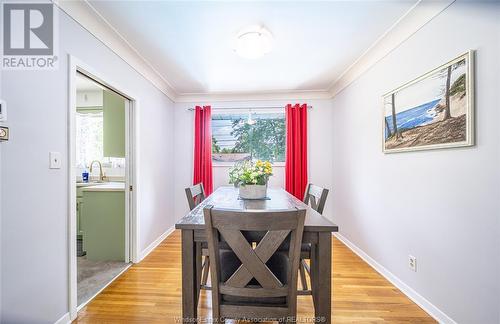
253 42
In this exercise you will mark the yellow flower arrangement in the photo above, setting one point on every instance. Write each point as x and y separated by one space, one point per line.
251 173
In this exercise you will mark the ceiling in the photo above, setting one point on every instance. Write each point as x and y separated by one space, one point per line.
85 84
190 43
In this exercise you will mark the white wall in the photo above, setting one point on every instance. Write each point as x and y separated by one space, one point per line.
320 148
221 176
1 273
440 206
34 229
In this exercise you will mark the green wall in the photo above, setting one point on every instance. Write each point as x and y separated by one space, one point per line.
113 125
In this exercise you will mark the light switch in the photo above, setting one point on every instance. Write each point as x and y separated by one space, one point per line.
55 160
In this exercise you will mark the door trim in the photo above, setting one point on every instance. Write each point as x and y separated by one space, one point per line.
132 227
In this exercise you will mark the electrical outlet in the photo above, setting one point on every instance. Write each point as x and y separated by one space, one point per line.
412 263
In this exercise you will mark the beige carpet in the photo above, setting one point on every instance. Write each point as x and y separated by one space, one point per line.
94 275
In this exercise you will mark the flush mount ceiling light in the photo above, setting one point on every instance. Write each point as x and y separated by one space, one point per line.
253 42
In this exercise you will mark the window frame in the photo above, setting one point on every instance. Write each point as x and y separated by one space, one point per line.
239 111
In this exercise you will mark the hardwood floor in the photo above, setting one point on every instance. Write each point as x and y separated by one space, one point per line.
150 292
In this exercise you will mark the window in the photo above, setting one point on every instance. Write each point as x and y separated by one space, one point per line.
238 136
89 135
89 140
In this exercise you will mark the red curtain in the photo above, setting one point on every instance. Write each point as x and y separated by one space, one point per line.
296 150
203 148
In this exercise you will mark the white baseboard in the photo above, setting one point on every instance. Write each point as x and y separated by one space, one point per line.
65 319
418 299
156 242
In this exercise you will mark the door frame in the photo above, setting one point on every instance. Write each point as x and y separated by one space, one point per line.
131 147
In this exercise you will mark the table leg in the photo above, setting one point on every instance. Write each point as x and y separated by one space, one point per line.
322 278
198 260
313 275
189 285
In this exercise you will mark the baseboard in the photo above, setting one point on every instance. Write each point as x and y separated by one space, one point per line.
418 299
65 319
156 242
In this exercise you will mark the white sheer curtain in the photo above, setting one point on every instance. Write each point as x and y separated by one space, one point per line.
89 137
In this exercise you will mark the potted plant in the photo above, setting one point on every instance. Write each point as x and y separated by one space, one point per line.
251 178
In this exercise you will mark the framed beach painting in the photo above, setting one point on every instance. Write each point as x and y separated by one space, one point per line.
433 111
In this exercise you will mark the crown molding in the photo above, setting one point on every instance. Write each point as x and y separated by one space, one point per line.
254 96
411 22
85 15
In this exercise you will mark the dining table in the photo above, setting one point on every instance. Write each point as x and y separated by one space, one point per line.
318 231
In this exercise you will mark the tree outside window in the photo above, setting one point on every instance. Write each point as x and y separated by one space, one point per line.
238 137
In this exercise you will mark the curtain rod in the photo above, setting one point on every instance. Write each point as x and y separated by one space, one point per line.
247 108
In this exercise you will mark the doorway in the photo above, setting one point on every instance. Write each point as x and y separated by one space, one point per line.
102 236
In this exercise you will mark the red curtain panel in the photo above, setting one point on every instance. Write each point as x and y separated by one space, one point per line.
203 148
296 150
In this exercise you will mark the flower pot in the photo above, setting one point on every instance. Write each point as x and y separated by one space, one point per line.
253 191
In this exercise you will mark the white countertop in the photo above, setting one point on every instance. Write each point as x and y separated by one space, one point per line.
106 186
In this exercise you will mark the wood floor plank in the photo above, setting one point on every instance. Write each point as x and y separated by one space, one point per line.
150 292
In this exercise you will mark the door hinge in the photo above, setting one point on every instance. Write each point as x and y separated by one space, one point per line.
130 188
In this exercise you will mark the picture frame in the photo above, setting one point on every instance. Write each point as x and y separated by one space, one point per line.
433 111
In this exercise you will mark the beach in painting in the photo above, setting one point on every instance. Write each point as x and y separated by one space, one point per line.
428 112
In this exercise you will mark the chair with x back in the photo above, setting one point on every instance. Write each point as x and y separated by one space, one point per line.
250 280
314 196
195 195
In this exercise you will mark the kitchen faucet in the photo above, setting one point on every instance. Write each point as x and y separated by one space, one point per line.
101 174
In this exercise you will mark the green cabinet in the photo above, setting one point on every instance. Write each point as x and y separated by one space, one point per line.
79 229
103 223
79 204
113 124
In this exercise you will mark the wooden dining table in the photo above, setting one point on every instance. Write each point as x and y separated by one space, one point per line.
317 231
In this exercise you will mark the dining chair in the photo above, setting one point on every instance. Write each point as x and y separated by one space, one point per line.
314 196
195 195
254 280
